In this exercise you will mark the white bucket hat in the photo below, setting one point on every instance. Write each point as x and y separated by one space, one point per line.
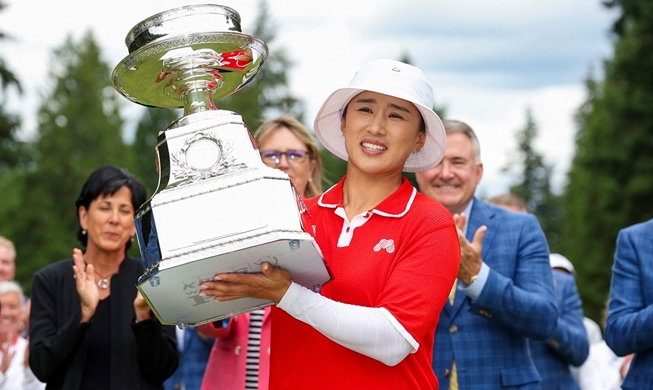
392 78
559 261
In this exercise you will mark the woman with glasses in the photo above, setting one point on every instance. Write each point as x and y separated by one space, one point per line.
393 252
287 145
240 358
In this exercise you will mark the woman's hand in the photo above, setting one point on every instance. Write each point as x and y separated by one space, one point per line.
89 293
271 284
7 356
141 308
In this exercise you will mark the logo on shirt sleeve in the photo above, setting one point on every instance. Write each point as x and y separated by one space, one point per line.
388 245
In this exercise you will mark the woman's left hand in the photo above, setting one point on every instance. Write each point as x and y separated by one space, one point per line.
141 308
272 283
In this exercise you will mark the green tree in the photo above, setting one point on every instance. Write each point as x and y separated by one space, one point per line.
79 130
533 182
142 149
610 182
268 94
13 152
334 168
7 77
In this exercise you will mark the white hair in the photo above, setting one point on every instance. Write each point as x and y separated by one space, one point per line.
10 286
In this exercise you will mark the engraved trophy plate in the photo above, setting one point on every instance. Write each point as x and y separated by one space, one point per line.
217 207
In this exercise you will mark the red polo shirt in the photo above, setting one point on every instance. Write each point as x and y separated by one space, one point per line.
403 255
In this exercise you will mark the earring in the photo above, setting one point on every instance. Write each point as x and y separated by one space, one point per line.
83 232
132 239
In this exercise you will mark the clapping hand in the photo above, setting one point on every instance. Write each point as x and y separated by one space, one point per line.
7 354
470 252
141 308
89 293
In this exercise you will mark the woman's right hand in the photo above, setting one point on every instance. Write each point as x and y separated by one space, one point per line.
272 283
7 354
89 293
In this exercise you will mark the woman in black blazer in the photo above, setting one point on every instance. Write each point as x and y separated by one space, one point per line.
89 326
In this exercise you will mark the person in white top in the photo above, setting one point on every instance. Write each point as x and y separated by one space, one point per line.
15 373
603 369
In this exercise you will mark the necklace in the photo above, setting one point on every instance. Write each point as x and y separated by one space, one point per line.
103 283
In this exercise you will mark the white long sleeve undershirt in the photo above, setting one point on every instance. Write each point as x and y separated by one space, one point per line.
373 332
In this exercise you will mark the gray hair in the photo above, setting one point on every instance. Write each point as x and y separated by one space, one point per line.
11 286
453 126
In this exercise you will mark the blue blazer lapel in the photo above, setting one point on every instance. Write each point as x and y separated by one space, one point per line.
481 214
448 308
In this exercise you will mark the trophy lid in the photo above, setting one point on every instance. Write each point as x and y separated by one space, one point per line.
183 20
188 57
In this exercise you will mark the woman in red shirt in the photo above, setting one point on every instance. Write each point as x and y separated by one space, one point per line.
393 253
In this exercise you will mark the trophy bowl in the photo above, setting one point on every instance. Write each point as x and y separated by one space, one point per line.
217 207
196 48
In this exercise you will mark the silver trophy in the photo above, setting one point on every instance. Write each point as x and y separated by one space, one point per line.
217 208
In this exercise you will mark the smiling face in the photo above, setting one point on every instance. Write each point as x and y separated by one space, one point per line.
453 181
109 221
11 313
381 132
299 170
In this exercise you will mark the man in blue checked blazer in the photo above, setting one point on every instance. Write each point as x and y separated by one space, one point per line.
569 344
629 327
504 294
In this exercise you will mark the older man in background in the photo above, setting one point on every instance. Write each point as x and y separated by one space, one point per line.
504 293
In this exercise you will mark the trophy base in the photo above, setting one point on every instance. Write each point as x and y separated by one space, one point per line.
172 290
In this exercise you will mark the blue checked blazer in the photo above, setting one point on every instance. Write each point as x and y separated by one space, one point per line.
192 362
488 338
629 327
569 344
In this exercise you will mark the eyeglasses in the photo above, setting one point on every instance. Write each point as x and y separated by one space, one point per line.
293 156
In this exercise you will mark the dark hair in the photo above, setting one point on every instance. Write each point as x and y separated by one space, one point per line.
104 181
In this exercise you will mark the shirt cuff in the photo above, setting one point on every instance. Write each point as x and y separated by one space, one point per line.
473 291
289 297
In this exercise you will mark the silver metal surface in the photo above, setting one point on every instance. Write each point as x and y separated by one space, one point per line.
188 57
217 208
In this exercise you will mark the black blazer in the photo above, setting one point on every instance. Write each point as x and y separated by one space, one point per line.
143 354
